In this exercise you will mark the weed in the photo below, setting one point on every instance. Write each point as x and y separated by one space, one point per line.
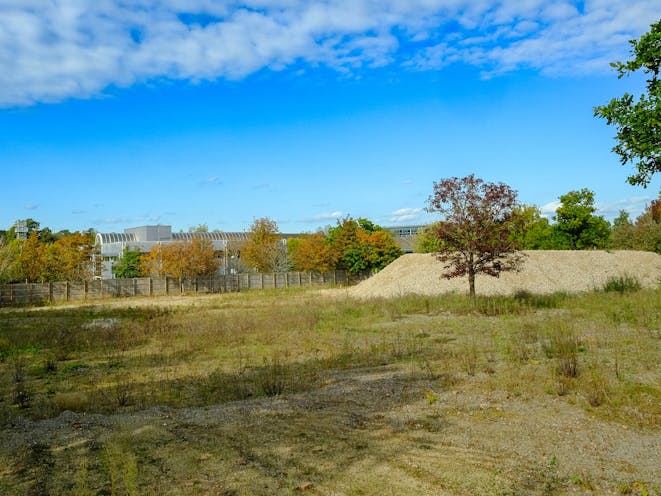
563 345
596 387
431 397
273 377
622 284
122 390
550 478
468 358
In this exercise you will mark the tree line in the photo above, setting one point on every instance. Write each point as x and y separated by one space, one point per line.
575 226
355 245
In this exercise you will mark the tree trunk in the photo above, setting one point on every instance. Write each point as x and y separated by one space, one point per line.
471 279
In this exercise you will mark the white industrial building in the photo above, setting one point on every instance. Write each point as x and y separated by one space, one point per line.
112 245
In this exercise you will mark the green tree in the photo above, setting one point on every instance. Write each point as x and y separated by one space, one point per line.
531 230
128 265
639 124
476 232
622 234
10 268
360 245
576 225
426 240
644 234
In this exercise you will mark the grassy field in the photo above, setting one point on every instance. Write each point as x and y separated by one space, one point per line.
300 391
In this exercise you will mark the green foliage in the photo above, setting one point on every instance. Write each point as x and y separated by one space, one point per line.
531 231
576 224
426 240
644 234
360 245
622 284
10 268
639 124
128 265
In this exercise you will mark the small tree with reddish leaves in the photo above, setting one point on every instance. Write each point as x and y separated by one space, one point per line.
475 234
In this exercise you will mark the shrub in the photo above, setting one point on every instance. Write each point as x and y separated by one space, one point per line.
622 284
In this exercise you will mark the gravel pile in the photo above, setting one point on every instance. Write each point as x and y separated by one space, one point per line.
544 271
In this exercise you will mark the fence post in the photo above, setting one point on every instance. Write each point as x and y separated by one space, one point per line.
310 278
275 281
262 278
50 292
85 290
335 277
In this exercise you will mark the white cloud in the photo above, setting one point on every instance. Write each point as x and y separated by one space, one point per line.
324 217
51 51
405 215
209 181
634 205
549 209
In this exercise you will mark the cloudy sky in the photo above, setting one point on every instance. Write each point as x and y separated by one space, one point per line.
117 113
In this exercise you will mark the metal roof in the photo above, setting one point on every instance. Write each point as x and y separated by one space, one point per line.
114 237
214 236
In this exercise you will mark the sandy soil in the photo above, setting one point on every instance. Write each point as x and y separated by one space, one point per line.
544 271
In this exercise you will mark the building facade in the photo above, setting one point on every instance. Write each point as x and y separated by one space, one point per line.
111 246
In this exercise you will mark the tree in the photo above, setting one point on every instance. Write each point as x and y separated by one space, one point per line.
426 240
476 232
531 230
639 124
128 265
576 224
644 234
360 245
31 258
182 259
311 252
10 269
263 249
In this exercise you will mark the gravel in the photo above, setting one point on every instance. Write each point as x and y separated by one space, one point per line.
543 271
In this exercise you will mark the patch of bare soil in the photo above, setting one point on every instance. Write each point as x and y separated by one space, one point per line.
381 431
544 271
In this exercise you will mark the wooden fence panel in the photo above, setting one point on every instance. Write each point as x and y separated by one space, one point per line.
56 292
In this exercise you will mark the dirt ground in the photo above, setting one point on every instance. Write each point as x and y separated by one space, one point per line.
381 431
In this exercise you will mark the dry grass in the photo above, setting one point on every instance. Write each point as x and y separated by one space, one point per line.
284 392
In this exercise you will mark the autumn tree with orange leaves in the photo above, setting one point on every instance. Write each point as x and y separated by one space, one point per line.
311 252
69 258
182 259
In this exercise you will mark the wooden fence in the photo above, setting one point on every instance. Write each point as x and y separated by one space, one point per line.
57 292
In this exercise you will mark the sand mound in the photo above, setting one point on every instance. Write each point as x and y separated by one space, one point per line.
543 272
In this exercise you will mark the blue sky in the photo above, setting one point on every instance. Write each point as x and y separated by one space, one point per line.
117 114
